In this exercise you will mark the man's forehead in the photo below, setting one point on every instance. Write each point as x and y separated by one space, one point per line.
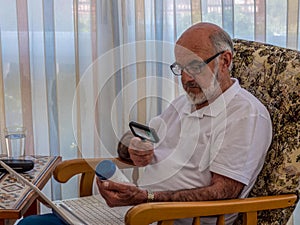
194 43
184 55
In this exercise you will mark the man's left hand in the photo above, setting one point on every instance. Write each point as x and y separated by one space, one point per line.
121 194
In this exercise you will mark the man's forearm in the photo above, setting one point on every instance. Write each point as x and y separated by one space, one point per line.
221 188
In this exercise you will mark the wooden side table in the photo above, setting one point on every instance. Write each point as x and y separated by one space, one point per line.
17 201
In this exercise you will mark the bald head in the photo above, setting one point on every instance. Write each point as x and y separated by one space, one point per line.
205 37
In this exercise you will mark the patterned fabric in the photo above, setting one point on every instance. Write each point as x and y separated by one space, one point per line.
272 74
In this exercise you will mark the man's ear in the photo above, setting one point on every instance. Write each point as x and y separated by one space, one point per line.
226 59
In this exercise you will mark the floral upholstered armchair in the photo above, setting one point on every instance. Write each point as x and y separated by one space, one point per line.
272 74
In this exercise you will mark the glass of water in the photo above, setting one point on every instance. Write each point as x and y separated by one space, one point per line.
15 141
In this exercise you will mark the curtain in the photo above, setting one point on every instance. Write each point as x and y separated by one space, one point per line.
75 72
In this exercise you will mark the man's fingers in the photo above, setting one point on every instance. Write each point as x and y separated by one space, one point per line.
140 153
137 144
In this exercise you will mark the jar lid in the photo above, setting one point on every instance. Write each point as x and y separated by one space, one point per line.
105 169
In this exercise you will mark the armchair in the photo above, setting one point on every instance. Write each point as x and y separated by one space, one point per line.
272 74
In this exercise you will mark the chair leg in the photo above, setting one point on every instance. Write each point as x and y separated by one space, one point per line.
166 222
196 221
250 218
221 220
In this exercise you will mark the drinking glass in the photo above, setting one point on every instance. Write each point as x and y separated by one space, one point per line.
15 141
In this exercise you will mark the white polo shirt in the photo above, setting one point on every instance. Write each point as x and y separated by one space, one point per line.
230 137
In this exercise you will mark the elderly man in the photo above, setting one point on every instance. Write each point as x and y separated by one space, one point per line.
213 139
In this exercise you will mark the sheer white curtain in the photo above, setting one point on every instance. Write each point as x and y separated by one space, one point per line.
75 72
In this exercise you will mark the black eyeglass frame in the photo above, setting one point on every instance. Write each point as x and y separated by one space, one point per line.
201 64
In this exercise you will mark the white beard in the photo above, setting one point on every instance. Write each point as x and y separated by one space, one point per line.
196 99
207 93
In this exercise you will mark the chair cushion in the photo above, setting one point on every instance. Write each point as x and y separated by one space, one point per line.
272 74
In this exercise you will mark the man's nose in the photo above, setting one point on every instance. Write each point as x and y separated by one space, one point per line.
186 77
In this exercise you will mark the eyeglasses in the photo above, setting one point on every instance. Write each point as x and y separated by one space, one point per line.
194 68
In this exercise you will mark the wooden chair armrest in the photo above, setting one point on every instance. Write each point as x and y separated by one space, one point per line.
86 167
147 213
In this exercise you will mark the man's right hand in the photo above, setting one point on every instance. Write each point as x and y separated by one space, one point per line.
141 152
